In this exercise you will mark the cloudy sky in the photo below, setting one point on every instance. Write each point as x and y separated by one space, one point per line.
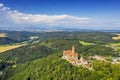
82 14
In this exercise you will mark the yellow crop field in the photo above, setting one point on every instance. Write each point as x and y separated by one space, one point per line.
8 47
116 37
2 35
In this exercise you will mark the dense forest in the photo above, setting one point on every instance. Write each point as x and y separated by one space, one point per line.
42 60
54 68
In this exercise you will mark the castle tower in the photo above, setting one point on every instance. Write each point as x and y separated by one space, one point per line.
73 49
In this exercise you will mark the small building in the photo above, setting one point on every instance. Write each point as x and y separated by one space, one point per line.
72 61
83 61
79 62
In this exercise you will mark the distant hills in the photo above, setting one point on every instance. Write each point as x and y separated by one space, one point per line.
6 40
86 35
53 29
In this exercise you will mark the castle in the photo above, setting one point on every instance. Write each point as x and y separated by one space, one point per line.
70 54
72 57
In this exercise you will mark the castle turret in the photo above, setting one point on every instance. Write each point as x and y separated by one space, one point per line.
73 49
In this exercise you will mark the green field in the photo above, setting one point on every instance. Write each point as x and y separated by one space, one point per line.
34 37
116 46
85 43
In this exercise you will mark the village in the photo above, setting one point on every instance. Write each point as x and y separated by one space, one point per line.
73 58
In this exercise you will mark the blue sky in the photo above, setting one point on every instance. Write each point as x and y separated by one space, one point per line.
82 14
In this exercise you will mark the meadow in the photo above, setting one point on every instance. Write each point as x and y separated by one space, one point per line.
85 43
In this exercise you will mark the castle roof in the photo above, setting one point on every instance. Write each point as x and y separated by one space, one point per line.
84 60
69 53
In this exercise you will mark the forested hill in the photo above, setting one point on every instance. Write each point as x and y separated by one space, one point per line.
19 36
53 67
38 50
43 61
48 47
6 40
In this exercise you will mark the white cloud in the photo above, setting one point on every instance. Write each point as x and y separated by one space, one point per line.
46 19
14 17
5 9
17 17
1 5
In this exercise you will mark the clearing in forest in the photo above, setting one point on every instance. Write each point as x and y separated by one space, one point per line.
86 43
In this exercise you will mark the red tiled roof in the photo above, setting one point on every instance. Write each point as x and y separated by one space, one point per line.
71 60
84 60
69 53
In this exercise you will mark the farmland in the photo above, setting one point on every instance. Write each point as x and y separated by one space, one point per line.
2 35
117 37
116 46
8 47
